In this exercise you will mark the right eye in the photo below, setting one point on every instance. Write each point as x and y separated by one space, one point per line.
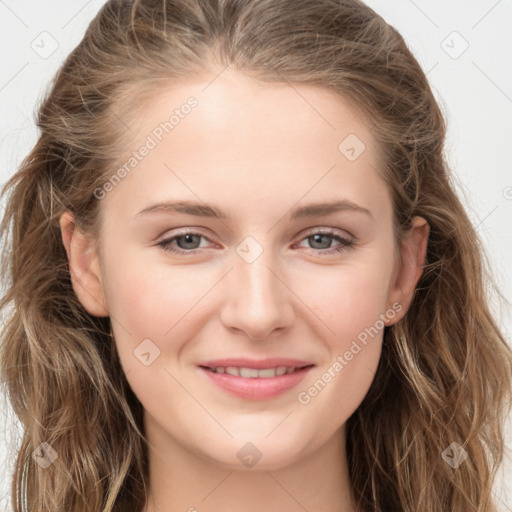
185 239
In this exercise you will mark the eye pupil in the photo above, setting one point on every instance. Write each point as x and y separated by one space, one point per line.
188 240
318 239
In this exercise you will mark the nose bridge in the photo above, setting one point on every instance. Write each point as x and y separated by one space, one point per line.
257 300
258 285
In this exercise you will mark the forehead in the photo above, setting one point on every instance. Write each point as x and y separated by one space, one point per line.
231 133
232 100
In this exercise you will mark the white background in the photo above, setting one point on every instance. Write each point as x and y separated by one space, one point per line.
474 90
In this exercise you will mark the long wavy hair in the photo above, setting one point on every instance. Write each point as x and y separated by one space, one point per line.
445 371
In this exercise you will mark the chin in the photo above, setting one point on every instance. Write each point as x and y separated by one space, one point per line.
264 455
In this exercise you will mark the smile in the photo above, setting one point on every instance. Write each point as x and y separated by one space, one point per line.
255 383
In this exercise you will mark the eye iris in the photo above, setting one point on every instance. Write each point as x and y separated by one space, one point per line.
188 238
317 238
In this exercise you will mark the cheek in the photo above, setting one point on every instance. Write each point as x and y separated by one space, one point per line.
148 301
351 303
350 299
352 307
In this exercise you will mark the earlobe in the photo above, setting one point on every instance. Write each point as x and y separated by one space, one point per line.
410 267
83 266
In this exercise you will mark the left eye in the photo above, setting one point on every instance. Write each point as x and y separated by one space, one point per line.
188 242
318 236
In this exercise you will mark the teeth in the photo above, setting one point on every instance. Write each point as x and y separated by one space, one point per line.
253 373
265 374
249 373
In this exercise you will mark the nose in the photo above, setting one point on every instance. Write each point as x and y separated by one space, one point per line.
258 302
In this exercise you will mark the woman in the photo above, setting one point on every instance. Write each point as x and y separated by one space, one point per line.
256 368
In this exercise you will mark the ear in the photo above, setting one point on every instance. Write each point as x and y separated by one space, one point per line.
84 266
409 267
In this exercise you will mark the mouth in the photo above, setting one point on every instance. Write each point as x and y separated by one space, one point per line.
256 380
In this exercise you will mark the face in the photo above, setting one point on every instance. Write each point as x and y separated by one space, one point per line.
248 277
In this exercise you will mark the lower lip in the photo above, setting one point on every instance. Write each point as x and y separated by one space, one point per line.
257 388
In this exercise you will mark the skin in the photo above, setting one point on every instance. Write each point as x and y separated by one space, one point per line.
256 151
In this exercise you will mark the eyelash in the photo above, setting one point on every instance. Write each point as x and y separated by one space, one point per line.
345 243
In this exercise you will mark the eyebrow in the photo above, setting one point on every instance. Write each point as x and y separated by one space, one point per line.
205 210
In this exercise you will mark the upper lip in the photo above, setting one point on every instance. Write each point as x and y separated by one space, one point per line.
259 364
